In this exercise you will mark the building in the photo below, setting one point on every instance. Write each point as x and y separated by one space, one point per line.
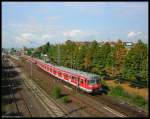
128 45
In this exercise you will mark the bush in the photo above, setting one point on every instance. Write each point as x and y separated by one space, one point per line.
118 91
139 100
56 92
105 87
65 99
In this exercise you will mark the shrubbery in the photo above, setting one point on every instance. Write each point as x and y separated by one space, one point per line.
56 92
139 100
118 91
65 99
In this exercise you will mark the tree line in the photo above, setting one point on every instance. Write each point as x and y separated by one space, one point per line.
113 62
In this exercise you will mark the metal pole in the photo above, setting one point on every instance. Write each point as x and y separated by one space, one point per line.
112 63
58 56
31 70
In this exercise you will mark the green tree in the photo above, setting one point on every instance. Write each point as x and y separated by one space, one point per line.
136 63
119 55
45 48
88 59
102 59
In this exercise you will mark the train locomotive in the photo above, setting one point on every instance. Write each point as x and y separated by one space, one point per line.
87 82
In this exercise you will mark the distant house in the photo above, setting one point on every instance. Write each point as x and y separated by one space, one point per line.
128 45
101 43
83 43
111 43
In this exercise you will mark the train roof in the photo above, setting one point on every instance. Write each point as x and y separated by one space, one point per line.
74 71
89 76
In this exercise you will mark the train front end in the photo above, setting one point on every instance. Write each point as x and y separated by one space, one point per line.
94 84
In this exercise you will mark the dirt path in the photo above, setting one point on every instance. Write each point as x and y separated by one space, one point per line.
143 92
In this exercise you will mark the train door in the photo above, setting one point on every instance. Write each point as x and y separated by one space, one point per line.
69 78
47 68
82 82
59 74
78 80
54 71
65 76
50 69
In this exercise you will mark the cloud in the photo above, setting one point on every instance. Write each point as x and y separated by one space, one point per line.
134 34
26 35
28 39
131 34
72 33
46 36
25 38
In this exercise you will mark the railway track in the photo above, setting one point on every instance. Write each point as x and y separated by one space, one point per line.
134 111
95 108
115 105
50 105
13 96
91 108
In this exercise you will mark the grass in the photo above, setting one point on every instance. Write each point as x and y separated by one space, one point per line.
134 99
105 87
56 92
65 99
139 100
118 91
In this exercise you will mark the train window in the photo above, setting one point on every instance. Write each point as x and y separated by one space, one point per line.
97 81
65 75
91 82
59 73
94 80
74 79
81 81
54 71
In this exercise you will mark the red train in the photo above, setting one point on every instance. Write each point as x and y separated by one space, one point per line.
85 81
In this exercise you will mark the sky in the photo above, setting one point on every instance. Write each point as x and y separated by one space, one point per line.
32 24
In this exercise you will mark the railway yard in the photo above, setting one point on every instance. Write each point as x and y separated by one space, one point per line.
28 93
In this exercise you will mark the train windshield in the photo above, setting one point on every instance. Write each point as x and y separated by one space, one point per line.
94 80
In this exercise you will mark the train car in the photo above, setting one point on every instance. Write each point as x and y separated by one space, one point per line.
85 81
